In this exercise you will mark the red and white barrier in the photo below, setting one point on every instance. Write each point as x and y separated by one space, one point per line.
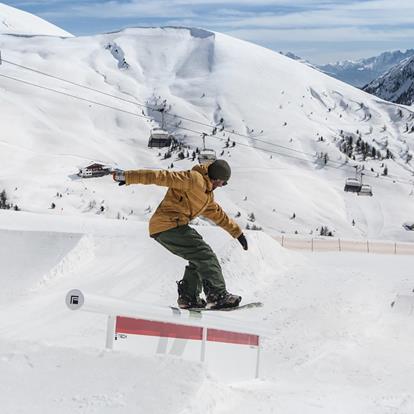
229 347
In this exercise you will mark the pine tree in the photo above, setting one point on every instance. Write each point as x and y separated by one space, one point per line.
3 200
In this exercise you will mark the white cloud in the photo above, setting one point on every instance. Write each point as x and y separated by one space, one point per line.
332 35
261 21
235 13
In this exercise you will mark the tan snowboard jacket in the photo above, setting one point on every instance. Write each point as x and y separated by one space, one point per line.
190 194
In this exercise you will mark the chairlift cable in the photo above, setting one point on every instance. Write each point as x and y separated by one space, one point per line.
155 109
141 116
340 165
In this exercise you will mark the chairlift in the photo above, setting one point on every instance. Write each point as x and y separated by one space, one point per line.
366 189
159 138
206 155
353 185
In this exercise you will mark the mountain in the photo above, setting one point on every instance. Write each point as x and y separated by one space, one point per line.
396 85
19 22
282 113
361 72
297 58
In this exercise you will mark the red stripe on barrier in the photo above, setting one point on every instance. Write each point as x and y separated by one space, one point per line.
216 335
171 330
152 328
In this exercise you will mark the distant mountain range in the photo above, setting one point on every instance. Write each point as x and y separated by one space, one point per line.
396 85
360 72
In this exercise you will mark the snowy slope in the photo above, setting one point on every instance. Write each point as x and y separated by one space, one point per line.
336 347
17 22
273 103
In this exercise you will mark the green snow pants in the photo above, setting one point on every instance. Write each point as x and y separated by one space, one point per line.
203 270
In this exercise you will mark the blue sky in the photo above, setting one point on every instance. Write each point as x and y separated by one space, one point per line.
319 30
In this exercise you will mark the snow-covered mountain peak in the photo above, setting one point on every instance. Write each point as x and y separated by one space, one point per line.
396 85
360 72
18 22
296 131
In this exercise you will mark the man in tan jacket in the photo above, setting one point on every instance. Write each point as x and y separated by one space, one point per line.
190 194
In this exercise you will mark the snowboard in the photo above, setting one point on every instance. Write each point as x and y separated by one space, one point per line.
198 310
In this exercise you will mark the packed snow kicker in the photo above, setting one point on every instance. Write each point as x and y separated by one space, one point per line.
292 135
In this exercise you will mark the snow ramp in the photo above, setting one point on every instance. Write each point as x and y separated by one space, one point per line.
336 343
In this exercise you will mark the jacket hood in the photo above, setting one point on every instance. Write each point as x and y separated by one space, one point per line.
203 170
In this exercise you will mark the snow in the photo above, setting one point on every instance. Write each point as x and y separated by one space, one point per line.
200 78
19 22
336 344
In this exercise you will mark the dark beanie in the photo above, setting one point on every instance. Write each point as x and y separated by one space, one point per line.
219 170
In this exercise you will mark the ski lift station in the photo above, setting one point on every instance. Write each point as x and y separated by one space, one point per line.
93 170
159 138
206 155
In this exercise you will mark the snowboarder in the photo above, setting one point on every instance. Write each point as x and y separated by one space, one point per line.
190 194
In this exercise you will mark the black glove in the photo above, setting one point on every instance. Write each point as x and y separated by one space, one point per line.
243 241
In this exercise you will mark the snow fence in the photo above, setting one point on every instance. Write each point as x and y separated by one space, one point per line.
329 244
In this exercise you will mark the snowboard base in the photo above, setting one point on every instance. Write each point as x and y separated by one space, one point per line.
198 310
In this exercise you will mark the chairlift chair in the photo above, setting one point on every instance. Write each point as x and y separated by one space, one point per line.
353 185
159 138
206 155
366 189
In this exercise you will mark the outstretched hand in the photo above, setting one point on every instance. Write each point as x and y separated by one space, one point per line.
119 176
243 241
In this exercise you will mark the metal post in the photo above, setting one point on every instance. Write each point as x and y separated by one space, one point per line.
367 246
203 345
258 357
283 237
339 244
395 247
312 244
110 332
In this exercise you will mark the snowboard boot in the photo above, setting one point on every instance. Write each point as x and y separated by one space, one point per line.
186 301
223 300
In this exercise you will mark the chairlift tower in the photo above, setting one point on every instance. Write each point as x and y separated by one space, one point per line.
162 112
